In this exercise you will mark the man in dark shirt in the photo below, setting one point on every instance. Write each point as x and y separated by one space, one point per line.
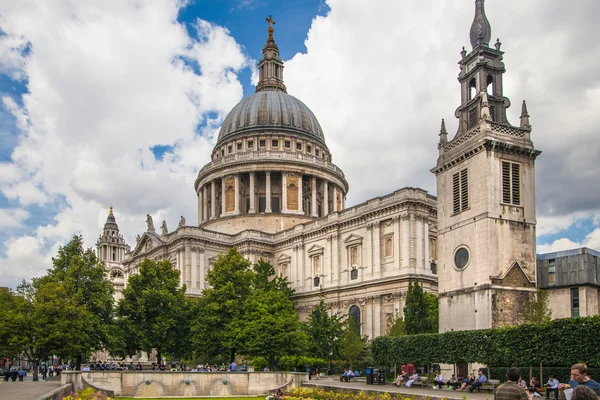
579 376
509 390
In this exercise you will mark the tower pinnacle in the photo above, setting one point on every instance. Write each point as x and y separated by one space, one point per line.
270 67
481 30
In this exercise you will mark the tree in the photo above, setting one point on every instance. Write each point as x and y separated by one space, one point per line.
270 326
85 282
324 332
538 311
217 328
154 312
420 311
352 345
39 319
397 326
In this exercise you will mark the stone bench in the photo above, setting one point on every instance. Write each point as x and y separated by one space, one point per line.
491 385
422 382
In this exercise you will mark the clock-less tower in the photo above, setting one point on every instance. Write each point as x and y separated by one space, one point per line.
486 198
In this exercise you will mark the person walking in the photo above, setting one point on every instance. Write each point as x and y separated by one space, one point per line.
22 374
509 390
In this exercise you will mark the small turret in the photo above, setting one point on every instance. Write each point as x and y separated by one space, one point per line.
443 134
270 67
525 117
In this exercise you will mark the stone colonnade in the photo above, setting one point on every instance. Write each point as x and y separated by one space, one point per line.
268 192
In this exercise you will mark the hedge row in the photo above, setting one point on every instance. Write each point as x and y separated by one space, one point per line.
562 342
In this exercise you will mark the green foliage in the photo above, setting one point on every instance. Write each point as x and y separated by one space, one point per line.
270 326
353 347
521 345
538 311
85 284
217 327
154 312
397 327
289 363
324 332
420 310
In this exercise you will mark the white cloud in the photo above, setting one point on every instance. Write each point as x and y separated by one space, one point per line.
106 82
12 217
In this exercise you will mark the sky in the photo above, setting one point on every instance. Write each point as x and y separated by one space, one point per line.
119 103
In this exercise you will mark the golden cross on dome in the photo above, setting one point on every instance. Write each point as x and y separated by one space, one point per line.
110 210
270 21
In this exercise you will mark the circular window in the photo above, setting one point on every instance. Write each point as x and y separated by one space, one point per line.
461 258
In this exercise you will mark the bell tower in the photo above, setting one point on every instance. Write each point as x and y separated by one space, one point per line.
486 198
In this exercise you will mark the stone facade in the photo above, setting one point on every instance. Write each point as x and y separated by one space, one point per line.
486 198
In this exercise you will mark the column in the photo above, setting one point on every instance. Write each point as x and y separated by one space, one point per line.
426 242
252 208
376 249
223 202
284 192
325 197
313 197
300 195
213 200
405 228
419 242
236 208
205 205
200 216
335 197
343 200
268 190
397 243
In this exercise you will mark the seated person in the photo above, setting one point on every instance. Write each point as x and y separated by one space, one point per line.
466 382
438 380
414 377
552 386
479 381
356 374
453 383
535 387
398 381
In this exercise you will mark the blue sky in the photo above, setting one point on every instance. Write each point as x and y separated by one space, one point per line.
116 103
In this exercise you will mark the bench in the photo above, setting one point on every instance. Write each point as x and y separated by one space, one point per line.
422 382
491 385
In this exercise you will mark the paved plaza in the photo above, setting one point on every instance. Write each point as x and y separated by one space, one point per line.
27 390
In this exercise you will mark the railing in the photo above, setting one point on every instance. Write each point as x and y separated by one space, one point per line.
270 155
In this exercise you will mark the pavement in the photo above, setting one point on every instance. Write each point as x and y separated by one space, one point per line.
26 390
408 392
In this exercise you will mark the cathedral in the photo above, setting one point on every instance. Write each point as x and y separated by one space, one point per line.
272 190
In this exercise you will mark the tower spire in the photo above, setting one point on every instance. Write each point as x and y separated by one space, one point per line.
443 134
525 117
270 67
481 30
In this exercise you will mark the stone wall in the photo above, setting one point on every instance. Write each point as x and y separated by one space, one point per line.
184 384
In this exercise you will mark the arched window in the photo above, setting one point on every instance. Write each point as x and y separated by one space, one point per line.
490 85
354 315
472 88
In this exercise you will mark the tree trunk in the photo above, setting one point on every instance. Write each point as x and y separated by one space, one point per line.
158 358
36 365
78 363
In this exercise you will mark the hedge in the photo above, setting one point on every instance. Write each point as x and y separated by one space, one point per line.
561 342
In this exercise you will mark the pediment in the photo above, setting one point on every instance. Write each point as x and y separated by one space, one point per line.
353 240
514 276
315 250
284 259
148 242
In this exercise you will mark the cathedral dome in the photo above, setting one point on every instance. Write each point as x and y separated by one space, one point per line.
271 110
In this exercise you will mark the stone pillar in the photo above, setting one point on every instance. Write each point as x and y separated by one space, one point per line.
313 197
200 215
376 249
300 195
236 208
419 242
426 243
325 197
213 200
405 227
343 200
397 250
252 206
223 202
205 199
284 192
268 190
